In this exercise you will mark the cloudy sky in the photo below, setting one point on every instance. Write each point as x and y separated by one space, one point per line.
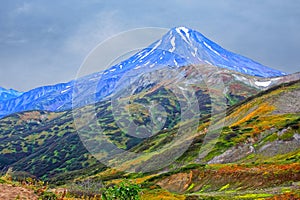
45 42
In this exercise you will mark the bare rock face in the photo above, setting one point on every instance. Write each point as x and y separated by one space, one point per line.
288 102
177 182
233 154
279 147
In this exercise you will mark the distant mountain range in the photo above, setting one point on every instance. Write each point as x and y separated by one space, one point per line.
8 94
177 48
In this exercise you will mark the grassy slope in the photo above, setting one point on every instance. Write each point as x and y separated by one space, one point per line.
256 122
47 144
259 122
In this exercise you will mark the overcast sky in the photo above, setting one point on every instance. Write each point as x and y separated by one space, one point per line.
45 42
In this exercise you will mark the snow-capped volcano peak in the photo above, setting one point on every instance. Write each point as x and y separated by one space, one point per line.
179 47
184 33
183 46
191 47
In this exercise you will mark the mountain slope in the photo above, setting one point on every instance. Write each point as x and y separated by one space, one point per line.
179 47
263 128
195 48
8 94
26 138
44 143
256 155
258 149
251 126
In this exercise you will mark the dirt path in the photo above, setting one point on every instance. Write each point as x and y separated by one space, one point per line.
9 192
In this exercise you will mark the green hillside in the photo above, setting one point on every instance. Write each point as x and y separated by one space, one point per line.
255 157
46 144
252 152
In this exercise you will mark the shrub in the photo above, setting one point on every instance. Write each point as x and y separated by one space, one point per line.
48 196
123 191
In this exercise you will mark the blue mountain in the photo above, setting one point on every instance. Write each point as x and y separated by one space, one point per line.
197 49
8 94
179 47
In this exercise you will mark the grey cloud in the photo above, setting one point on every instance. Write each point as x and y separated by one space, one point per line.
46 42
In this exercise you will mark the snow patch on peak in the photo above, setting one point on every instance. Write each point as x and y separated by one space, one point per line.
263 84
206 61
210 48
184 29
173 44
157 44
63 91
195 52
185 36
149 52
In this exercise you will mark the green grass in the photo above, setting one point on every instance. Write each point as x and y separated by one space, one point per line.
253 196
